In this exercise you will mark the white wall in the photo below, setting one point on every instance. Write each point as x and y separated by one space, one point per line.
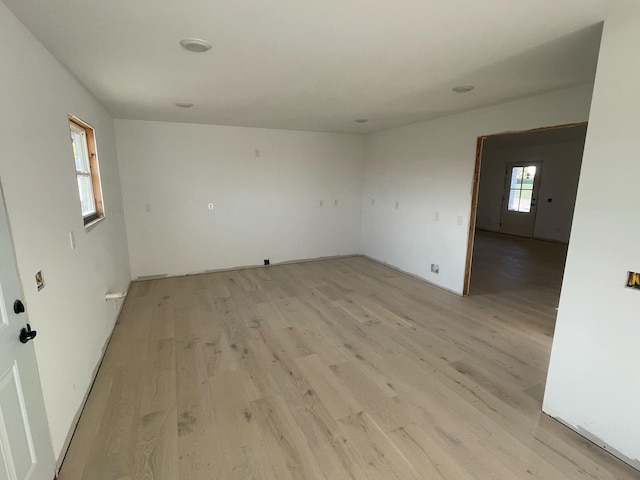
38 178
265 207
593 383
428 168
559 182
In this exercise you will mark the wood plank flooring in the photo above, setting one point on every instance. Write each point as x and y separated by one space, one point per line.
336 369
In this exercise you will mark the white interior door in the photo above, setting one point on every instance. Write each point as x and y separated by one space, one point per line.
25 444
521 186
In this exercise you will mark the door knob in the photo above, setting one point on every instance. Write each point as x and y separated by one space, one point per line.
27 334
18 307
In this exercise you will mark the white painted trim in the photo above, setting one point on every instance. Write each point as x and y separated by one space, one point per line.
78 415
245 267
596 441
417 277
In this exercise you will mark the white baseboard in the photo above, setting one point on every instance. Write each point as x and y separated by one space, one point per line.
244 267
76 418
412 275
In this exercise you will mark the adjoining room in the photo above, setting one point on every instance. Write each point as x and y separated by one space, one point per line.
526 196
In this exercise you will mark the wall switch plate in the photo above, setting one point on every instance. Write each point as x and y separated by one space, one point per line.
72 240
436 216
210 206
435 268
397 205
322 203
373 201
147 207
460 219
335 202
258 153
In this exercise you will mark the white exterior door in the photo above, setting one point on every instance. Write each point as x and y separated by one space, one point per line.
521 185
25 444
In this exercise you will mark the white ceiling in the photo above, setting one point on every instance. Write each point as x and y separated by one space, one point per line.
316 64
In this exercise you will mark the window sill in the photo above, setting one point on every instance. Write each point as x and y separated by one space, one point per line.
91 225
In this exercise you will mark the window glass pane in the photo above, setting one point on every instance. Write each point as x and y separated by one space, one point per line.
86 195
514 200
528 178
79 146
75 145
525 201
514 192
521 189
516 175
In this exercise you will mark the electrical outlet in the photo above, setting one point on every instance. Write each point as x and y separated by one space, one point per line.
210 206
435 268
322 203
258 153
633 280
335 202
147 207
39 280
266 262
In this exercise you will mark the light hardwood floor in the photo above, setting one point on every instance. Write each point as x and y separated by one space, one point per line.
336 369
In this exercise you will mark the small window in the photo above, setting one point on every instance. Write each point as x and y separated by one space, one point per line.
85 155
521 189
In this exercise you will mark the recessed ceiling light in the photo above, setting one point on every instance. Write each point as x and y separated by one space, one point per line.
195 45
184 105
463 88
361 120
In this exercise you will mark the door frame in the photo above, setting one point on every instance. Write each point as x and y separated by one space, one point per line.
475 187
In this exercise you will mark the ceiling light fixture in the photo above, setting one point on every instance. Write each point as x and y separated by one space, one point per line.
196 45
184 105
463 88
361 120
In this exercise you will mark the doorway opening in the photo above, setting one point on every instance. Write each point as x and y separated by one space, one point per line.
524 192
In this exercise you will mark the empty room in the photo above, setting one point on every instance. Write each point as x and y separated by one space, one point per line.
319 240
